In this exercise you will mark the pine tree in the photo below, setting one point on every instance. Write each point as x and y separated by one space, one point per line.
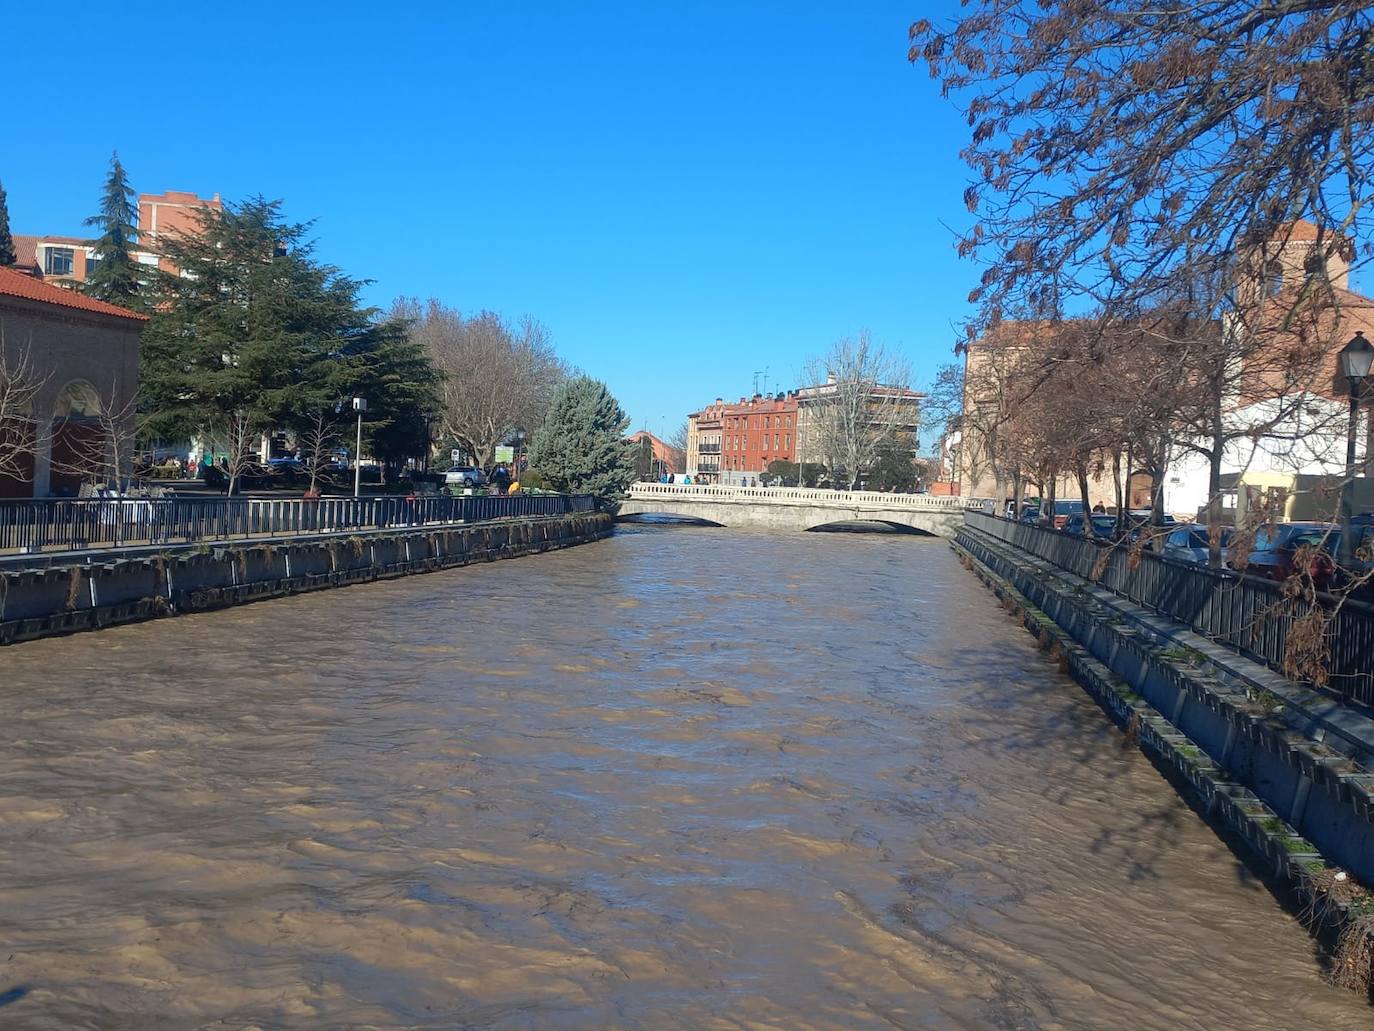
7 255
115 277
581 446
253 330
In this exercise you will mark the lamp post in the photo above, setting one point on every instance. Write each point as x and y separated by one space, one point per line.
359 406
1357 357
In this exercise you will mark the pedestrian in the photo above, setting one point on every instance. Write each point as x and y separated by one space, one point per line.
500 479
1100 508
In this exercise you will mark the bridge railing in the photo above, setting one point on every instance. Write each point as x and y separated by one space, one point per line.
1246 613
799 495
80 524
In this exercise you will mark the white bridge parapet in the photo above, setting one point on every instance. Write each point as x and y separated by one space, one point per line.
797 508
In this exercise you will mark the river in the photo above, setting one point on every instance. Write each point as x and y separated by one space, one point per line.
684 777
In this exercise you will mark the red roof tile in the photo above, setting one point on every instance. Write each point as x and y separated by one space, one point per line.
16 284
25 250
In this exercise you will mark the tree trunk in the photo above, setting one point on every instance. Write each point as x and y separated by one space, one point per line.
1047 502
1214 483
1116 483
1157 496
1018 487
1082 470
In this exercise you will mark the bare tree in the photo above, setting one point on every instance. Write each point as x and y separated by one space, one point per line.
19 384
319 438
234 436
497 378
106 454
856 400
1117 149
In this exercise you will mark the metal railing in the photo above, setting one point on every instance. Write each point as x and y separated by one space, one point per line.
1246 613
96 523
797 495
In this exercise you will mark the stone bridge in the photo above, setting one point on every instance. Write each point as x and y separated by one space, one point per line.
792 508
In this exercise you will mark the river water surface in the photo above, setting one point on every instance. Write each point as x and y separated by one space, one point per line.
679 778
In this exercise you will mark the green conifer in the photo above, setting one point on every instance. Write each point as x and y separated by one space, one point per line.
581 446
7 255
115 276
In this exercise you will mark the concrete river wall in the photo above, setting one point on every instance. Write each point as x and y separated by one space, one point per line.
62 598
1275 763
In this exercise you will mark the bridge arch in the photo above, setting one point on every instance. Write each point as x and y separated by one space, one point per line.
890 526
665 519
793 508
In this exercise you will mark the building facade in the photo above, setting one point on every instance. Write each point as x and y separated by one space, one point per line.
1289 390
68 260
71 377
891 410
703 444
664 458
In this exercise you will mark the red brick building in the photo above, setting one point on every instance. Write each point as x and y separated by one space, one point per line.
79 363
754 432
666 458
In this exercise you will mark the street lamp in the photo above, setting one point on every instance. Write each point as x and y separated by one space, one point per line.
359 406
1356 359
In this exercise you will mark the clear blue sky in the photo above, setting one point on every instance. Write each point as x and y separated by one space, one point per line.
684 193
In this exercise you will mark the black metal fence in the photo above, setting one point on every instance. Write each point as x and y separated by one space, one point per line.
93 523
1246 613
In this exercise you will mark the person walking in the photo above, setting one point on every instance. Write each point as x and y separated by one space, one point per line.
500 478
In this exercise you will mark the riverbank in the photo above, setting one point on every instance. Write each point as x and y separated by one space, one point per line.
1284 769
54 599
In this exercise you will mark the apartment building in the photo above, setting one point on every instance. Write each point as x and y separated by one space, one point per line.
703 444
733 443
68 260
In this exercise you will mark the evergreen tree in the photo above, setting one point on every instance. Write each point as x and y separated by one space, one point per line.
7 255
581 446
115 277
253 326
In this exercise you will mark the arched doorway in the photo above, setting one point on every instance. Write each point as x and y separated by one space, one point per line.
78 440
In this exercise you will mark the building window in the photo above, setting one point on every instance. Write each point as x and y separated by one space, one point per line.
57 261
765 421
789 422
775 442
789 442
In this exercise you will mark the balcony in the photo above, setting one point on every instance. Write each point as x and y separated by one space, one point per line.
709 449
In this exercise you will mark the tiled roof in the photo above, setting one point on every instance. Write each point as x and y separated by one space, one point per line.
25 250
16 284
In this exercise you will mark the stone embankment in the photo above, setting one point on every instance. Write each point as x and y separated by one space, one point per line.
57 598
1282 767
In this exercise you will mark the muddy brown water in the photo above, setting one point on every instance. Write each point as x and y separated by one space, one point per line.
679 778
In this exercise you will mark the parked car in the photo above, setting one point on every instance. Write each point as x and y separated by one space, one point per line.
1092 524
465 476
1138 524
1362 561
1276 547
1189 543
1062 511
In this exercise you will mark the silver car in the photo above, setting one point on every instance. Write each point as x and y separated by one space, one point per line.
465 476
